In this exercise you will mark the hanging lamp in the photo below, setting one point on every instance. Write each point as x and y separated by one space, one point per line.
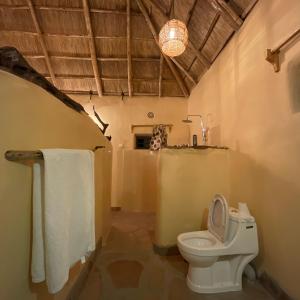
173 38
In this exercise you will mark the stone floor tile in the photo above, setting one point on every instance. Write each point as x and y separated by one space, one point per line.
127 268
125 273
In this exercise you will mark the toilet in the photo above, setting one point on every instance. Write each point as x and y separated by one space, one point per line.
217 256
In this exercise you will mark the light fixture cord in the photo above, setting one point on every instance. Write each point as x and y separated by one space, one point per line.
171 12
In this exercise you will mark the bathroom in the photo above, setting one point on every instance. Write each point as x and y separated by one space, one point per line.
248 99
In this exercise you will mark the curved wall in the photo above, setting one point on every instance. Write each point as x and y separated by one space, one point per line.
31 119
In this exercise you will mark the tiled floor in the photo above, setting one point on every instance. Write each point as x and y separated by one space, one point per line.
128 269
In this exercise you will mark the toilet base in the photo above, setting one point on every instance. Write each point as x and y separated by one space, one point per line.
217 288
225 275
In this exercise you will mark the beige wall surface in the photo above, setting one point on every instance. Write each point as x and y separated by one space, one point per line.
188 179
139 192
31 119
121 115
255 112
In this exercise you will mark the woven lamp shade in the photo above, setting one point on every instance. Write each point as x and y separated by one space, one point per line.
173 38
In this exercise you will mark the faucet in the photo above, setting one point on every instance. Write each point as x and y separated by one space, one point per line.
204 129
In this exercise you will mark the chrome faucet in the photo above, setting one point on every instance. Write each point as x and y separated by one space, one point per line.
204 129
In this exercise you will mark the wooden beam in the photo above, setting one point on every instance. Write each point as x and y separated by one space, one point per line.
61 35
167 59
170 8
92 46
129 65
41 40
210 30
249 8
199 55
186 73
189 16
88 58
68 9
111 93
161 66
76 76
227 13
158 5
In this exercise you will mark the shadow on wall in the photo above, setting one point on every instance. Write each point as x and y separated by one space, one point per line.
274 203
294 84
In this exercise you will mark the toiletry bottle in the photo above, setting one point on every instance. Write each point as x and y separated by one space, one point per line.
194 140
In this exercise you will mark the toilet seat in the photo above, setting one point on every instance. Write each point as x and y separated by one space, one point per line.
218 218
196 242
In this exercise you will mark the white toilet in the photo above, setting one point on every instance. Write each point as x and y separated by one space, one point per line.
217 256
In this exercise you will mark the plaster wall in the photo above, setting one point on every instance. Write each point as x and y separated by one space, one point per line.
188 179
31 119
134 168
255 112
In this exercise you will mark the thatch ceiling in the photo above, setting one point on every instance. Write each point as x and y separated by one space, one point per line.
110 47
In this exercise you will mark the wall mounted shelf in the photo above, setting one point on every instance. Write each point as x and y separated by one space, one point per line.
149 125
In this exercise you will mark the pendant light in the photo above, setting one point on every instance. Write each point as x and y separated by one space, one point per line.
173 37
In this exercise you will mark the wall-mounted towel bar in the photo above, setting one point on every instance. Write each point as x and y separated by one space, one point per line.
273 54
13 155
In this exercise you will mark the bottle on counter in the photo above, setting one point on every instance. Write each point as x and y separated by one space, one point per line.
194 140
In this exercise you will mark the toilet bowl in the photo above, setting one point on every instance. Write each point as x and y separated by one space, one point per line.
218 256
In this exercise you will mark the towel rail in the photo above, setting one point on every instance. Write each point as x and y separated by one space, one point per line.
273 54
13 155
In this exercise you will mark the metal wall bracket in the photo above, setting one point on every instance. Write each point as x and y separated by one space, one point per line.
273 58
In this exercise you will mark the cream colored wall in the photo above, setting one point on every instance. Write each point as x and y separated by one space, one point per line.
188 179
250 110
121 115
30 118
139 192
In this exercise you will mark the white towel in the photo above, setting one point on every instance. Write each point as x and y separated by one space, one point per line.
63 214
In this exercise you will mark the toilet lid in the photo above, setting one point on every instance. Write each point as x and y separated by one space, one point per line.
218 218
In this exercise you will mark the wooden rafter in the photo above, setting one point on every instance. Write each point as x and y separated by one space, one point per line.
208 34
249 8
189 16
41 40
170 7
61 35
227 13
129 65
199 55
210 30
111 93
167 59
88 58
68 9
92 46
158 4
161 68
185 72
83 76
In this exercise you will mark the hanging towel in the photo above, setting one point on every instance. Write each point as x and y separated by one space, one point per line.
159 137
63 214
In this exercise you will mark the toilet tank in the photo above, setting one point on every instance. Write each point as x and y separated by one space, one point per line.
233 225
235 221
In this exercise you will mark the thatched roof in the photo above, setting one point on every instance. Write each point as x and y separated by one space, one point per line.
110 47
